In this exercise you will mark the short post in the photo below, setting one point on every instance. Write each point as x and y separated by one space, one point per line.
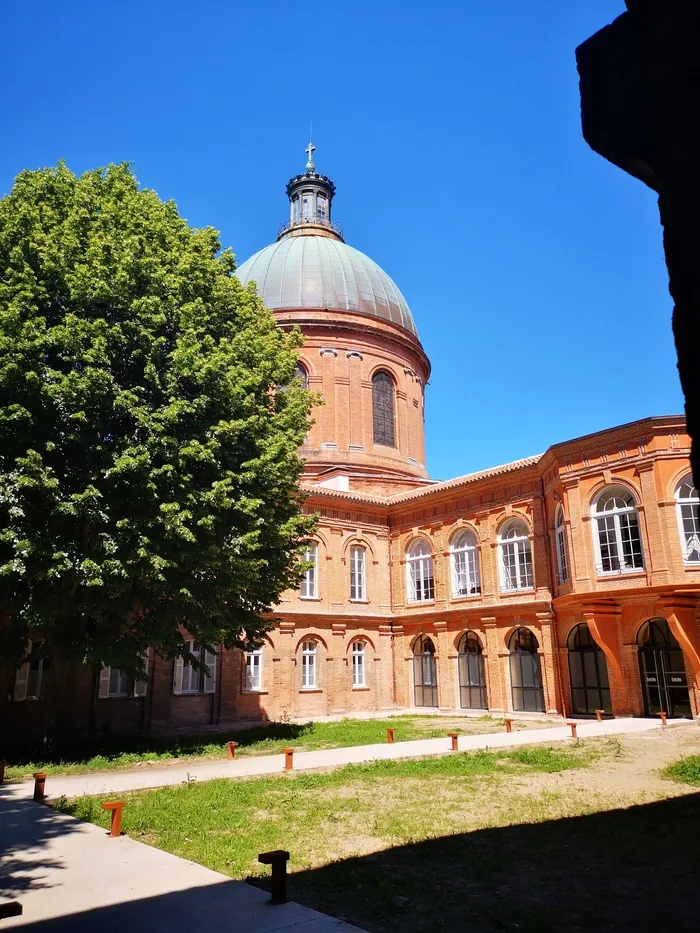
509 725
10 909
453 736
599 714
231 750
278 861
3 765
390 736
116 806
663 718
39 785
288 760
573 729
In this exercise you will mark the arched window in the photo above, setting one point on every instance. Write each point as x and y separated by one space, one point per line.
253 670
472 678
588 673
420 582
560 543
383 409
662 668
465 564
358 664
301 376
525 672
516 556
309 584
295 208
424 672
307 202
321 208
617 540
308 665
687 502
358 590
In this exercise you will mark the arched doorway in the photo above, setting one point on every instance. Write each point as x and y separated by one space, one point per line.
588 673
525 672
472 677
664 681
424 672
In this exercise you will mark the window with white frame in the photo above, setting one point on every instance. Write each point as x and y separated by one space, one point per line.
616 532
253 670
197 677
358 590
321 208
309 586
420 580
308 665
307 201
687 510
560 545
31 677
358 664
465 564
115 683
516 556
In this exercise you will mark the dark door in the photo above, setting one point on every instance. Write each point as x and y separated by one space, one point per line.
588 673
525 672
424 673
472 675
662 669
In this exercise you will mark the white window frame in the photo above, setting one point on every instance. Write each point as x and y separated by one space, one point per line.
254 671
420 572
515 557
190 682
309 583
358 581
560 546
309 666
616 522
688 516
359 678
22 677
116 684
464 561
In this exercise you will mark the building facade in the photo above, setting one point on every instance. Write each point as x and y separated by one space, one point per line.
559 584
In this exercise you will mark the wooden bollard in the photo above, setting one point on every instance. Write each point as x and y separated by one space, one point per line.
573 729
390 736
453 736
278 862
509 725
10 909
663 718
116 806
39 785
599 714
288 760
231 750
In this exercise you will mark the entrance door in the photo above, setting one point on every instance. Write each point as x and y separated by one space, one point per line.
525 672
472 679
424 672
664 681
588 673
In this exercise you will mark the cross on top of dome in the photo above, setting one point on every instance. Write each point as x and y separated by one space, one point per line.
310 149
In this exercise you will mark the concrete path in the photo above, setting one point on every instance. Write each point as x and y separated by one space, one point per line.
117 782
70 877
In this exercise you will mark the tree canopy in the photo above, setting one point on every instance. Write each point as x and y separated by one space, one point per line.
148 460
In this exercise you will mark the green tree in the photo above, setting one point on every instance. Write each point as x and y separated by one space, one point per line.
148 460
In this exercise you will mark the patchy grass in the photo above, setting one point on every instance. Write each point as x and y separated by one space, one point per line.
121 752
685 771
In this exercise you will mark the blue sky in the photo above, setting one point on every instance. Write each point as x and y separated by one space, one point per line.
533 268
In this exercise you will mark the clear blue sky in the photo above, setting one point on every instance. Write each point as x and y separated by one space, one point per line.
533 268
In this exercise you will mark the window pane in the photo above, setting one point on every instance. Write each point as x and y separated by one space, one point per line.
383 409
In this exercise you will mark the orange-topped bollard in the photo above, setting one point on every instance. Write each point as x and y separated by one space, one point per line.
663 718
453 736
573 729
390 736
599 714
288 758
277 860
509 724
231 749
116 806
39 786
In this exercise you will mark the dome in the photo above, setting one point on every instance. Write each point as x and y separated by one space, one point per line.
320 271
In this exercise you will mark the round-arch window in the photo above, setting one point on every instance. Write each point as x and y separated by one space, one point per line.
358 664
687 510
525 672
301 376
560 541
420 581
424 672
516 556
617 538
465 564
383 409
472 678
308 665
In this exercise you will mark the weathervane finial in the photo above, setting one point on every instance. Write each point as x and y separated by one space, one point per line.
310 149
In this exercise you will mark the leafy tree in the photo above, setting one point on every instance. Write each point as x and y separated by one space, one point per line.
148 464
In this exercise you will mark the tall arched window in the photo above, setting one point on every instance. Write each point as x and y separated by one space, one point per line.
516 556
560 543
301 376
588 673
309 582
465 564
472 678
358 590
253 670
308 665
383 409
687 502
358 664
420 582
616 534
525 672
425 690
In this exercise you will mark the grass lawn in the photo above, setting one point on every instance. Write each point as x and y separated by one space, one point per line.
687 770
582 836
118 752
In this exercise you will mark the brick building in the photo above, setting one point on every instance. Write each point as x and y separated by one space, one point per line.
561 583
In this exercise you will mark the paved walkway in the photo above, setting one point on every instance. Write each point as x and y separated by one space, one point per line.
117 782
70 877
